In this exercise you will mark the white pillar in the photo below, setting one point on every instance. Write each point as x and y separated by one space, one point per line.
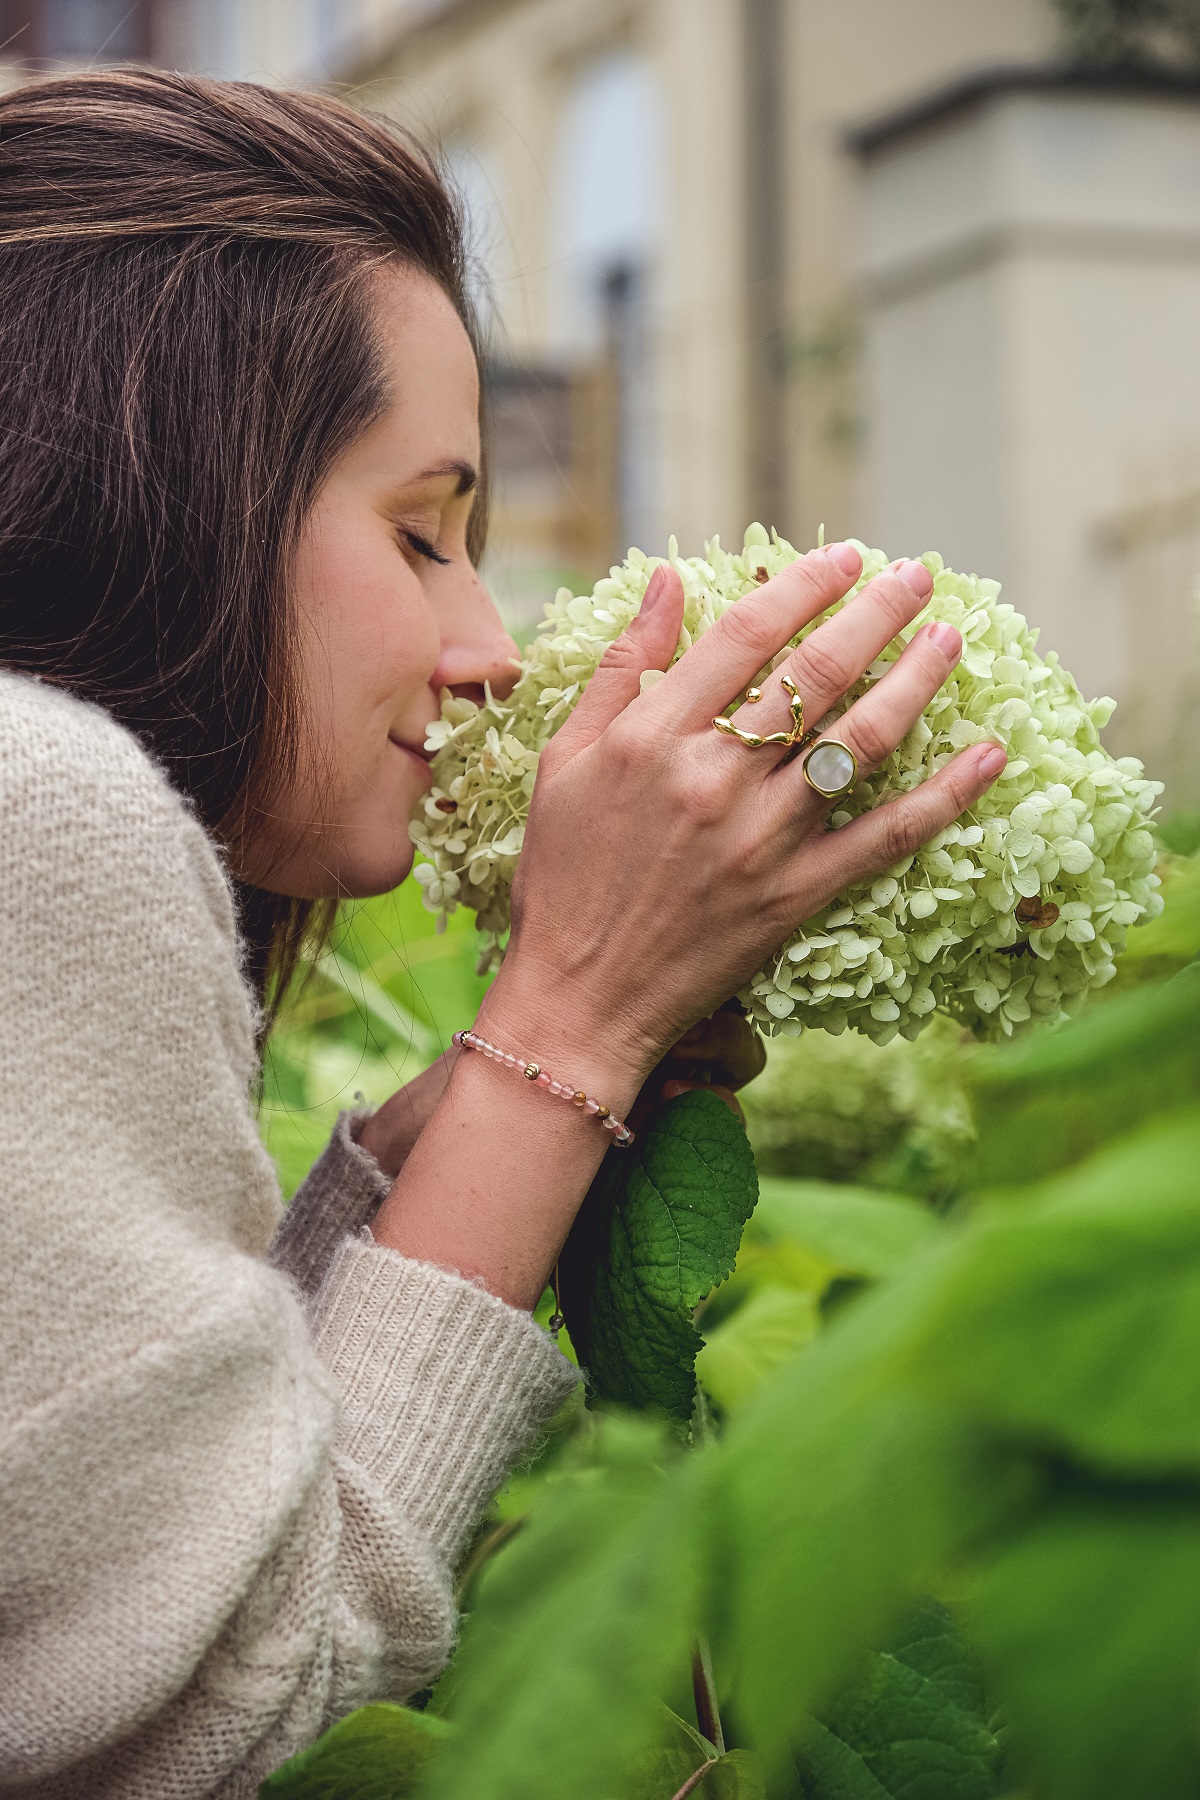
1031 280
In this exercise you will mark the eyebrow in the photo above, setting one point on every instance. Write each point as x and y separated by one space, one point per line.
467 475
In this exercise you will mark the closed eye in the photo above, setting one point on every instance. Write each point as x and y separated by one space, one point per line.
424 548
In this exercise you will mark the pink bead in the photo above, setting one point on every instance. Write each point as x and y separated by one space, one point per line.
591 1106
543 1080
510 1059
611 1124
556 1087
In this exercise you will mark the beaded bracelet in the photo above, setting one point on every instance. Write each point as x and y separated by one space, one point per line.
470 1040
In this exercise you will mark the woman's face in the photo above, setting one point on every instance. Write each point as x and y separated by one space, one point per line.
388 611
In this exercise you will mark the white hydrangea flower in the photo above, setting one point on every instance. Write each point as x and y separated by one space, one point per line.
1013 913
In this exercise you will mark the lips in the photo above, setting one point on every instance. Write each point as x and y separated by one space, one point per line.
425 755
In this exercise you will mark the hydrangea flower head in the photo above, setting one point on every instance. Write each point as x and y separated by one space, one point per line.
1015 912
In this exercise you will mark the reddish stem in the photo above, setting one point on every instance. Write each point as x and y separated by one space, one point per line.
694 1779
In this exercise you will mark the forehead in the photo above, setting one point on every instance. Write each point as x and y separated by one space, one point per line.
428 364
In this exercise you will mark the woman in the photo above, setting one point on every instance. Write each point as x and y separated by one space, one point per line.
239 515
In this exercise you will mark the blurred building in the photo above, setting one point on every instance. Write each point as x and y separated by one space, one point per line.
666 215
879 265
269 40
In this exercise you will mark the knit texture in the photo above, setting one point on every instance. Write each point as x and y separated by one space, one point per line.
344 1190
233 1477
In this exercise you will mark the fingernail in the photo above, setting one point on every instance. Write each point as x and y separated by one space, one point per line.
944 638
916 576
654 588
993 760
846 557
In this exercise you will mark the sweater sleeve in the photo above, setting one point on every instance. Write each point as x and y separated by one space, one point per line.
342 1192
229 1515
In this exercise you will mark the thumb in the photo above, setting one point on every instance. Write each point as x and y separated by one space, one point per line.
648 642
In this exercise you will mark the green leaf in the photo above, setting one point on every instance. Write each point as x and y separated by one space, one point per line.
1090 1620
659 1229
379 1753
856 1231
842 1493
1072 1318
579 1624
1174 937
831 1770
913 1719
1062 1094
744 1349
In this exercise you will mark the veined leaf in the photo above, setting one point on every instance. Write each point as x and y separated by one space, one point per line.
912 1722
379 1753
659 1229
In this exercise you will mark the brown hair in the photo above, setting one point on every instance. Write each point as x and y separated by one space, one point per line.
185 346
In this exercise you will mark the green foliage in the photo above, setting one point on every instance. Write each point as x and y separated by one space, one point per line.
844 1109
913 1723
658 1231
1132 33
1058 1097
999 1406
367 1018
379 1753
581 1622
1012 1412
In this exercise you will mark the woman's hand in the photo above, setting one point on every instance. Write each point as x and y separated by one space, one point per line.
663 861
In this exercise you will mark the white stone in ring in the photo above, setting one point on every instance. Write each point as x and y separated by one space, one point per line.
830 768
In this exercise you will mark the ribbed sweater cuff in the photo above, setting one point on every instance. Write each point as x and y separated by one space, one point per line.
444 1387
341 1193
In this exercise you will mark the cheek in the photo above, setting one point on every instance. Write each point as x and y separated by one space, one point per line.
369 642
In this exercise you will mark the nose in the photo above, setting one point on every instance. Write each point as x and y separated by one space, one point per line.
475 648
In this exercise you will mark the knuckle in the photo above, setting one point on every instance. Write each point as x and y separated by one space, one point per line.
621 656
628 741
870 739
902 829
703 794
746 627
896 601
821 668
816 576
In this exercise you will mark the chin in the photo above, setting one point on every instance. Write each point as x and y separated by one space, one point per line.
361 877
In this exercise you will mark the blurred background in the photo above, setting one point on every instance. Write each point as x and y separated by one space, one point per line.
924 272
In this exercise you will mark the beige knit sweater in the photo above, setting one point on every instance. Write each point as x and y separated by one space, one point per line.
238 1458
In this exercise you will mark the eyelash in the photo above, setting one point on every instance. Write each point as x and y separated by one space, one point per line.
424 548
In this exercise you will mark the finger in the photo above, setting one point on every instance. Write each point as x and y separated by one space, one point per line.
886 835
649 642
873 727
671 1090
750 633
832 658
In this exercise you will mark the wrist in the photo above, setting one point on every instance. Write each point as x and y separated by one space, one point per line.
572 1043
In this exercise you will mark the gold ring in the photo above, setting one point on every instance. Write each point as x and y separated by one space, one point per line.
751 739
830 768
